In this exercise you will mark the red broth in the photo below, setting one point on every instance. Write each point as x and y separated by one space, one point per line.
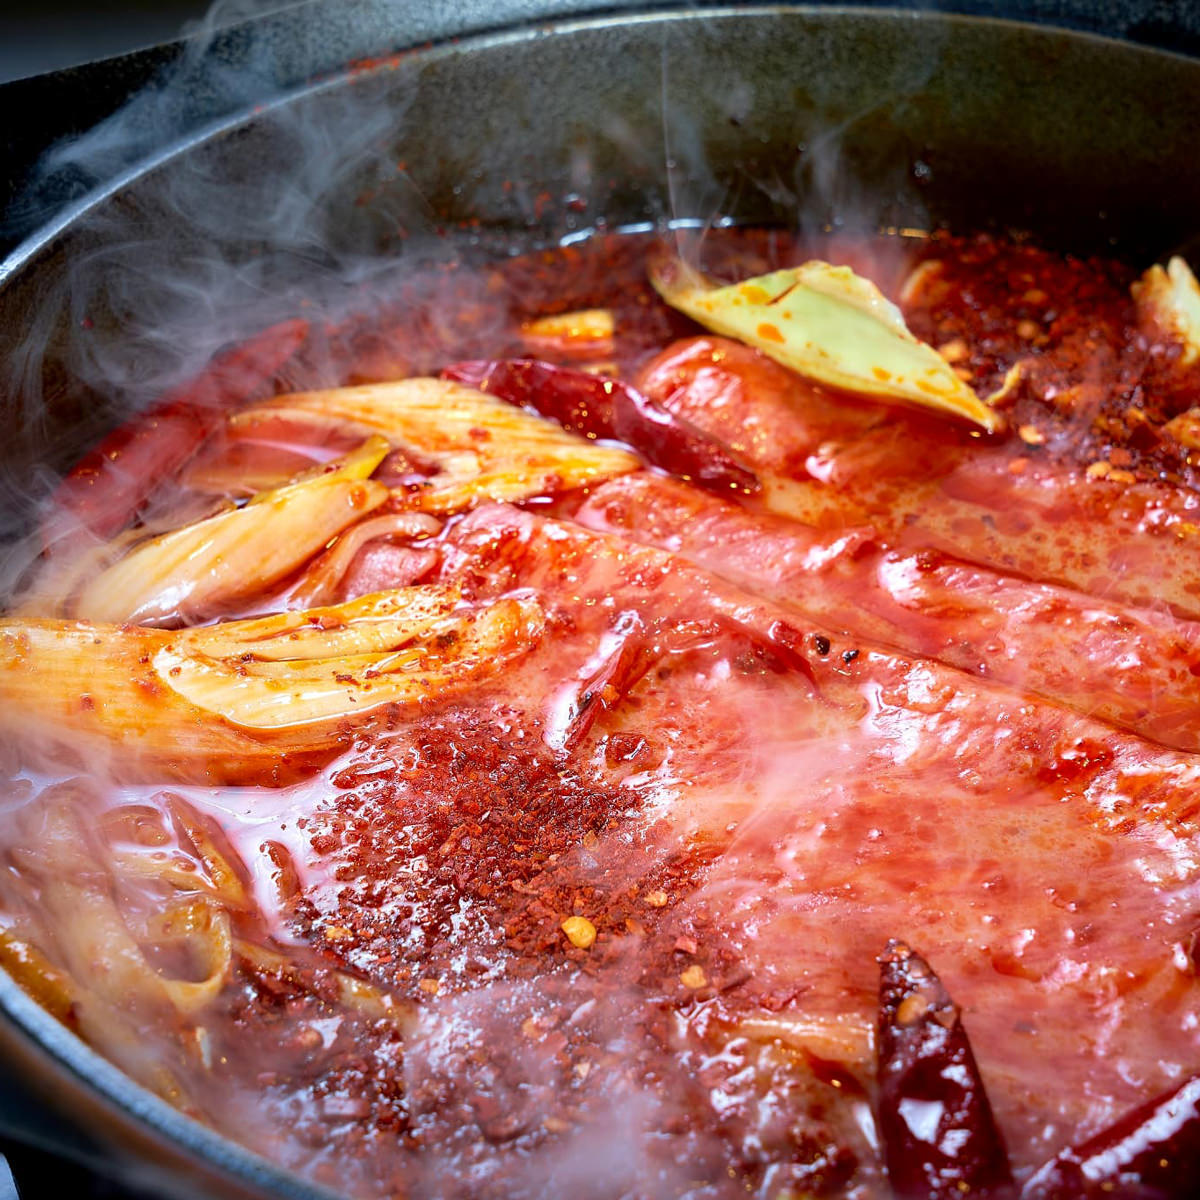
607 921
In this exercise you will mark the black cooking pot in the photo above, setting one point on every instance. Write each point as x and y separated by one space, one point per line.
323 192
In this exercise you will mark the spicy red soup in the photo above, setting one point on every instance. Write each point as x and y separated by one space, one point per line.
589 754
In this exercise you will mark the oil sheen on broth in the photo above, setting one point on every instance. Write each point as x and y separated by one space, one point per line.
444 800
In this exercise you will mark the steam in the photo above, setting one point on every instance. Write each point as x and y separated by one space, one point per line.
251 224
495 1064
209 249
831 198
238 232
250 227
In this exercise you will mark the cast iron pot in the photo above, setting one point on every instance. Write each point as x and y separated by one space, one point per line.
785 115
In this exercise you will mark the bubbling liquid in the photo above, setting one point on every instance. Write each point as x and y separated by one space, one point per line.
604 919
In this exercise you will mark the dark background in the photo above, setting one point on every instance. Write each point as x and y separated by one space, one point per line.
44 37
37 37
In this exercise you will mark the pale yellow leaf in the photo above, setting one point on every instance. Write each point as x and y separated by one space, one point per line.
830 325
192 571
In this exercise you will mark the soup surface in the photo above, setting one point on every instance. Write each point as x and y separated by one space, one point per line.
550 841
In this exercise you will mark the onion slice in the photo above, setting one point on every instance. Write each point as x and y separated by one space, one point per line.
257 700
193 571
484 448
583 335
322 579
830 325
1169 301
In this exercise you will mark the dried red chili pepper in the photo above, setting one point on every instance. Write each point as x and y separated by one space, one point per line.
607 408
1153 1151
103 491
639 650
609 685
939 1136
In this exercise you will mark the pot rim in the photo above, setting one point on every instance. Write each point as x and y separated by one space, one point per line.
104 1082
454 42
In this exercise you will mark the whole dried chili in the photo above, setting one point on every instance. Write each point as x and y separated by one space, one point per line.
1153 1151
607 408
608 686
939 1136
104 489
